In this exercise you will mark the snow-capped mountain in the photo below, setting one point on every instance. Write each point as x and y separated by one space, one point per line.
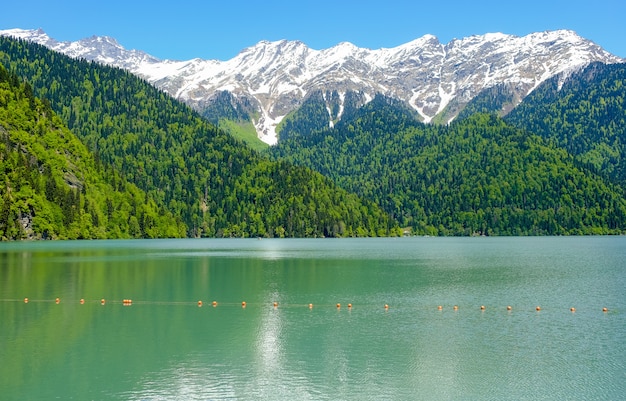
434 78
102 49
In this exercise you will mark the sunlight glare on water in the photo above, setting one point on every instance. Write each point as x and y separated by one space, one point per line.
164 346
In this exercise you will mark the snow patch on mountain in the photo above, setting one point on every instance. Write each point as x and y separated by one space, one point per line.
433 78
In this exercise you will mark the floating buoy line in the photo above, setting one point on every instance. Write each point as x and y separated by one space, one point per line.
244 304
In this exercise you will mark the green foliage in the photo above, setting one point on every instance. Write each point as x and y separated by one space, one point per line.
584 115
475 176
244 131
478 175
298 205
498 99
199 173
318 112
313 115
223 105
53 187
235 116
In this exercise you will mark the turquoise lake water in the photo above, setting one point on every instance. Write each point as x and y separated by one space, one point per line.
162 345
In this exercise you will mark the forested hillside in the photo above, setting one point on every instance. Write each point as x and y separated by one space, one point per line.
479 175
320 111
498 99
234 116
585 114
52 188
144 165
215 184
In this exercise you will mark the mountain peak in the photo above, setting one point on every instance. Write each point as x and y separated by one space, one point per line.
277 76
33 35
345 45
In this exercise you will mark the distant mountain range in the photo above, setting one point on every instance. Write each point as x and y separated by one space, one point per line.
274 78
347 163
92 151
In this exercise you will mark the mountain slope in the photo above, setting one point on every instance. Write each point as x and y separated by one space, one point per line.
215 184
319 111
475 176
53 188
584 113
435 79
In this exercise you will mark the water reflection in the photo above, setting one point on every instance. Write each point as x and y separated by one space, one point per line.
165 347
185 383
268 349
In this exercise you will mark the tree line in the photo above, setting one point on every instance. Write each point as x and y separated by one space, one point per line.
476 176
52 186
212 183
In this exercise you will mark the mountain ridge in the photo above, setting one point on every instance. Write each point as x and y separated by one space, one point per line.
211 182
435 79
476 176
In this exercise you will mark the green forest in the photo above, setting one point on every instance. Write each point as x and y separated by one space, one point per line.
476 176
585 115
213 184
89 151
52 186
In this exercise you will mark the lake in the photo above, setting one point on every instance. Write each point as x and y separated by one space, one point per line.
128 324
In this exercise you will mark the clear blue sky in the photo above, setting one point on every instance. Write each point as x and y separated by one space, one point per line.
212 29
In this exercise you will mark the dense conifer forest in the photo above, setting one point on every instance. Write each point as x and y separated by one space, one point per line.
585 114
89 151
476 176
52 186
214 184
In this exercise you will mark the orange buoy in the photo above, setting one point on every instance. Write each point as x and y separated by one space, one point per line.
58 301
127 302
102 301
243 304
199 303
310 306
275 304
509 307
455 307
538 308
572 309
439 307
482 307
349 306
82 301
605 309
25 300
386 306
214 303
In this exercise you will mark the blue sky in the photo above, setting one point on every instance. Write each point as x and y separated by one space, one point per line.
220 29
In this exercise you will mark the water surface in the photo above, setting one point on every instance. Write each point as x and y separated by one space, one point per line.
166 347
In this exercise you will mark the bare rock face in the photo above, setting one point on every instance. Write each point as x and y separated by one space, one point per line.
275 78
